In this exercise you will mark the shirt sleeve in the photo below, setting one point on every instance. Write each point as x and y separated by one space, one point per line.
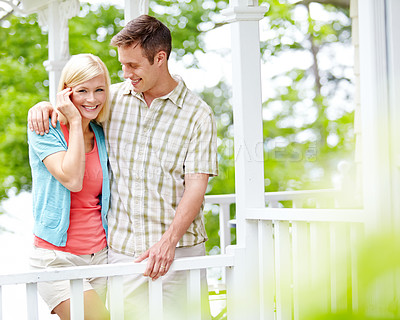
47 144
202 151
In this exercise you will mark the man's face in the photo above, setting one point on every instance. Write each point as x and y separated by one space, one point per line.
137 68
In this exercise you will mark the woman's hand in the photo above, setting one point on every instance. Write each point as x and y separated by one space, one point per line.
68 167
66 107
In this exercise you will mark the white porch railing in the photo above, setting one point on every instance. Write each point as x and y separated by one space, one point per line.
115 273
272 200
304 254
300 251
307 259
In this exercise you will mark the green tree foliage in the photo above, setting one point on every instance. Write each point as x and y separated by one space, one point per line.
188 22
308 127
22 83
91 32
308 119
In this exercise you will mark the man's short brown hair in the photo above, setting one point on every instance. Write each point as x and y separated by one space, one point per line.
148 32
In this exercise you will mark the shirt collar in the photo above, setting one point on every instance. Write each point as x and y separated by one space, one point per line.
177 96
128 87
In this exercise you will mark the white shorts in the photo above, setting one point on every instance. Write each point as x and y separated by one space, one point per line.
55 292
136 294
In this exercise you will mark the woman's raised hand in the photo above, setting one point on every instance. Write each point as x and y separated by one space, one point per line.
66 107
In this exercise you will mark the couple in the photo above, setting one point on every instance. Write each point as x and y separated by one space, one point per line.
161 144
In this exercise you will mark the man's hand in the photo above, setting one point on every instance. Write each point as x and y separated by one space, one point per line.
38 117
160 257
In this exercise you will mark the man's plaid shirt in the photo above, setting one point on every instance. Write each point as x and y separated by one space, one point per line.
150 151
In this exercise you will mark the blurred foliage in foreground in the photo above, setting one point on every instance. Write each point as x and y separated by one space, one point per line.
378 279
307 112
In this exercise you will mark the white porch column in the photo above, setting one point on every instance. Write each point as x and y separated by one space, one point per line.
247 110
135 8
54 14
379 87
380 114
393 54
244 16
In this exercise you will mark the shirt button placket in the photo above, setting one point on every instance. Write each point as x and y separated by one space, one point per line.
140 239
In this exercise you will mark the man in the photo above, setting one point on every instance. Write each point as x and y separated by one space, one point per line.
161 140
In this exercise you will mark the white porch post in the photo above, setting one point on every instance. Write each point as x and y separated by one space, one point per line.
135 8
379 49
57 16
393 54
244 16
380 113
54 14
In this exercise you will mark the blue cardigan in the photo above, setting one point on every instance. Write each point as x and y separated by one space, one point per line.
51 200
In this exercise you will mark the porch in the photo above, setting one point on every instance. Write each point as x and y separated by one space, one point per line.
289 262
297 252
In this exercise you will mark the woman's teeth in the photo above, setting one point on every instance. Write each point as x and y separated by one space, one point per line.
90 108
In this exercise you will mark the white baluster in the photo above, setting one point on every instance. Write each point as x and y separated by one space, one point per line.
116 297
155 299
235 280
339 262
356 233
274 204
283 271
319 242
32 301
194 295
298 203
266 269
301 268
1 303
77 308
224 229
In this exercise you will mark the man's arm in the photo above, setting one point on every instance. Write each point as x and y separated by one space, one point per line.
161 255
38 117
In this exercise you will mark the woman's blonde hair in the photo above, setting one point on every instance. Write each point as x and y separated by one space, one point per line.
81 68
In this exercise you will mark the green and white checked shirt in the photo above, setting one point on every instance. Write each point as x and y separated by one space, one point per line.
150 151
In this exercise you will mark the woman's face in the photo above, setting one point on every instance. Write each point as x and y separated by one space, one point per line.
90 96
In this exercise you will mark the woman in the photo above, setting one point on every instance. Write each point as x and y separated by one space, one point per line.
71 186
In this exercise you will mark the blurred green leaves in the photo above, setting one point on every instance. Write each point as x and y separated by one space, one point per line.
22 83
308 124
377 272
